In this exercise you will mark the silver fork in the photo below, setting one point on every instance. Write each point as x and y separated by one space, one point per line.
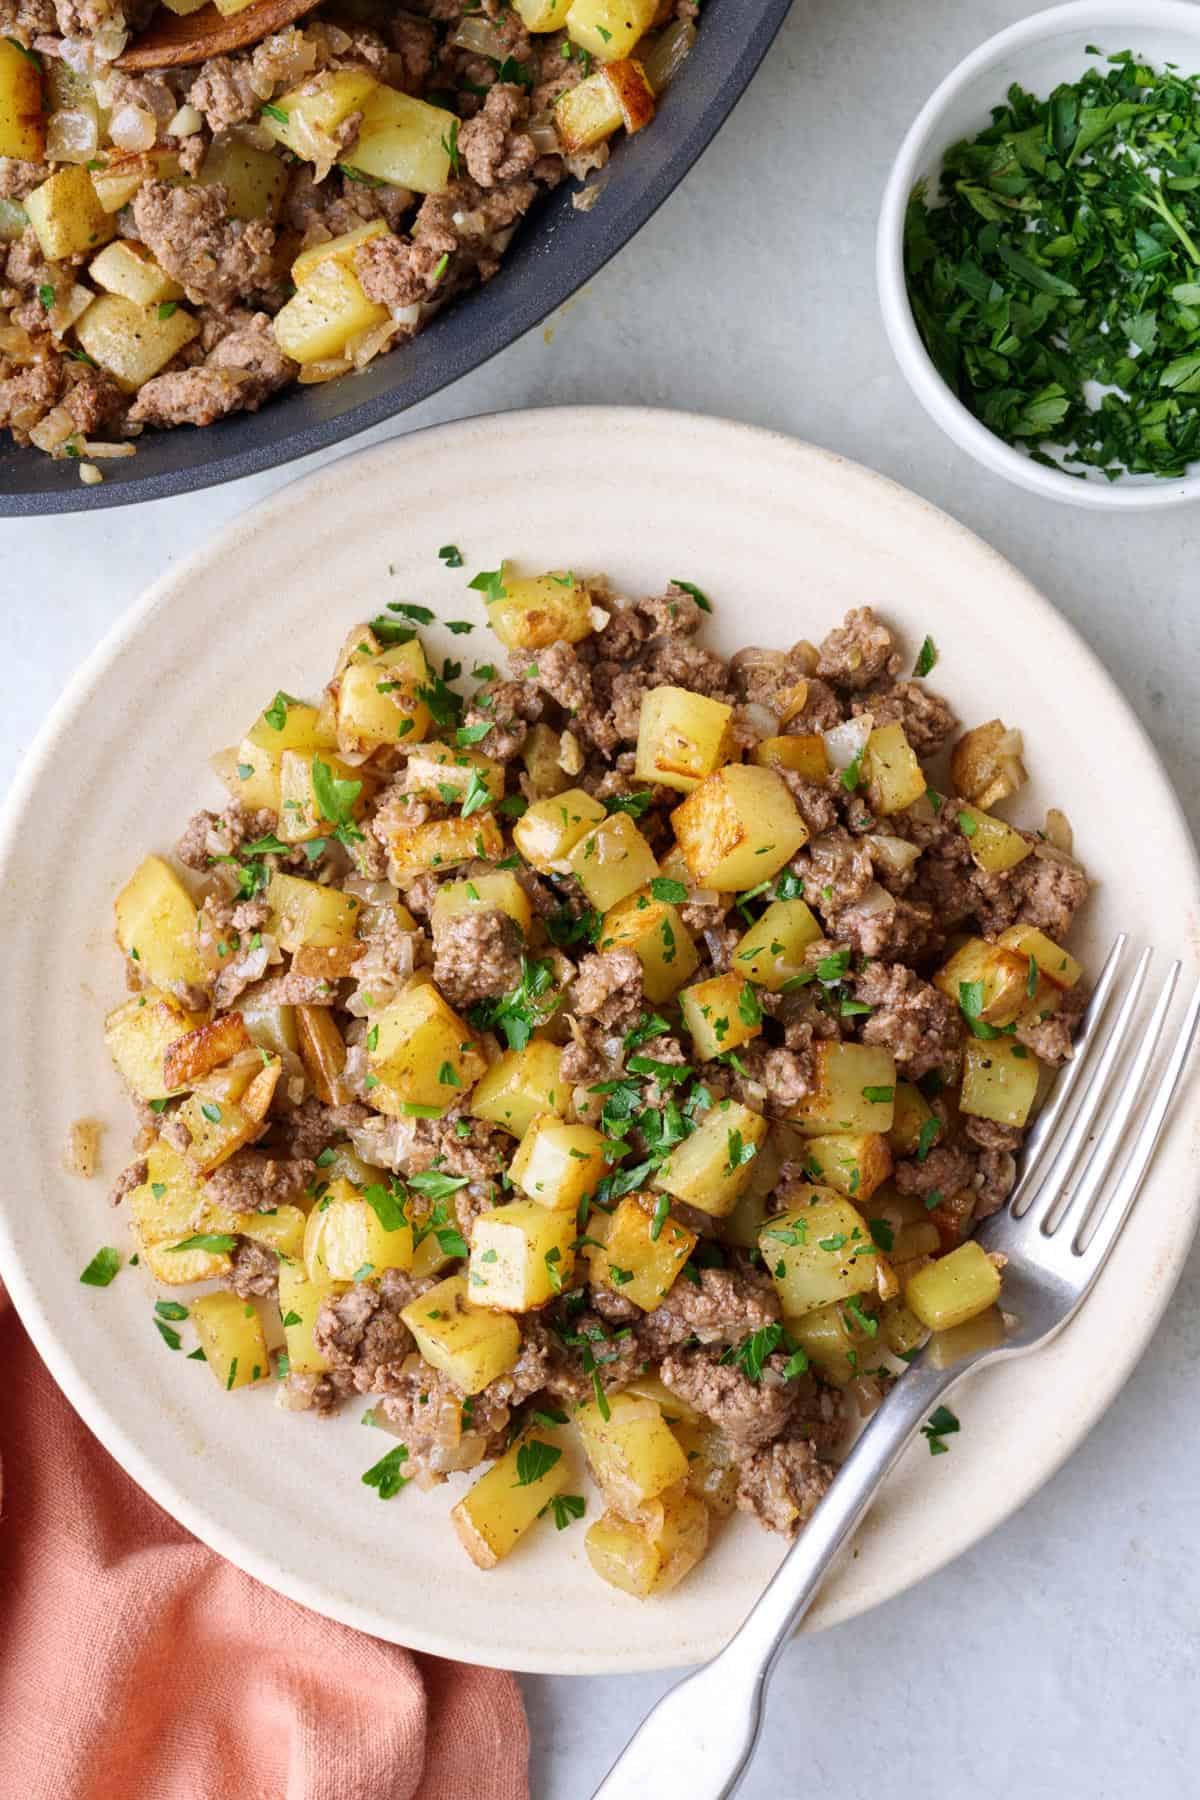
1078 1184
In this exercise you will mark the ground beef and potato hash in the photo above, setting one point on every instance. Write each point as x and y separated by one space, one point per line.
613 1057
177 246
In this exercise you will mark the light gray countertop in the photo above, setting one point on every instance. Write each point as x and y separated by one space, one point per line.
1056 1658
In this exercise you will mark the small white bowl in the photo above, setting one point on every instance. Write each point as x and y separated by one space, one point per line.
1038 53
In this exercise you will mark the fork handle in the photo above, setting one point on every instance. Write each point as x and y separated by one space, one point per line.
698 1741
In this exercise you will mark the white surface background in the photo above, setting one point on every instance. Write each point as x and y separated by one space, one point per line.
1056 1659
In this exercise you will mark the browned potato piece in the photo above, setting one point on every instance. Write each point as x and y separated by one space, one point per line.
203 1049
323 1053
986 766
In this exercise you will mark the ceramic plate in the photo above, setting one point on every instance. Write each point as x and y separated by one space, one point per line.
784 538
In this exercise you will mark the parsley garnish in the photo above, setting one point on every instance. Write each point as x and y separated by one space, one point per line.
102 1268
385 1477
535 1459
219 1242
672 892
926 657
490 583
688 587
942 1424
450 554
565 1508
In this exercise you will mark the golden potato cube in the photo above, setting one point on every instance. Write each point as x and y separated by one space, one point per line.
345 1239
323 314
231 1336
521 1256
305 912
757 1199
219 1127
129 269
313 112
541 15
1055 963
442 844
612 861
986 766
342 249
22 125
588 113
632 1453
322 1050
542 754
437 772
468 1343
954 1288
532 613
659 939
286 725
855 1163
498 891
281 1230
254 180
675 1409
67 218
1003 975
720 1013
520 1085
609 29
132 342
710 1168
894 777
156 926
272 1028
739 827
834 1341
712 1465
139 1033
424 1054
405 142
994 846
899 1328
378 704
650 1554
549 830
802 752
854 1088
300 815
204 1049
682 737
170 1207
771 953
497 1512
818 1252
909 1119
300 1300
1000 1081
557 1164
983 1331
635 1262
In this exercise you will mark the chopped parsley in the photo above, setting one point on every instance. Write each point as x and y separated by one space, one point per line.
385 1477
535 1459
942 1424
103 1267
926 658
689 587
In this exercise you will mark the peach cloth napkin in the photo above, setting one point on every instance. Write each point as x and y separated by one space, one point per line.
136 1663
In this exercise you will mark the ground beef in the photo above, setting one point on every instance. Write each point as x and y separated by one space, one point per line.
190 234
396 272
242 371
1051 893
904 931
858 652
585 1060
361 1332
492 144
727 1306
816 806
313 1126
510 708
254 1269
945 1170
608 990
18 178
783 1484
836 870
775 1078
27 395
614 1350
209 835
926 718
1051 1038
477 955
92 398
919 1025
128 1179
749 1413
255 1181
994 1180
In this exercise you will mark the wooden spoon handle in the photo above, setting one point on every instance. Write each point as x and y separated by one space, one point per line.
171 42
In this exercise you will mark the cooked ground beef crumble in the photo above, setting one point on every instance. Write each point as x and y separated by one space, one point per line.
475 1022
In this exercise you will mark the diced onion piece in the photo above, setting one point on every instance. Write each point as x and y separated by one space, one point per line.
541 130
407 315
1058 830
309 375
133 128
662 56
895 853
846 742
106 450
481 38
875 900
761 718
72 135
186 122
54 429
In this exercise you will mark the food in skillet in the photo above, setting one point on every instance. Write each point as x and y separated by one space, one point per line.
177 246
613 1058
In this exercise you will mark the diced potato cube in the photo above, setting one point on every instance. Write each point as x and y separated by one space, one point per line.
468 1343
757 1200
612 861
227 8
497 1512
772 951
712 1465
346 1239
254 180
300 1300
1000 1081
632 1453
520 1085
855 1163
286 725
129 269
272 1028
14 222
22 128
342 249
139 1033
300 815
635 1262
682 737
424 1055
739 827
126 171
169 1207
659 939
281 1230
541 610
675 1410
219 1127
231 1336
405 142
541 15
895 779
436 772
549 830
910 1116
802 752
305 912
954 1288
498 891
542 754
720 1013
1055 963
67 218
608 29
818 1252
378 704
834 1340
710 1168
986 766
588 113
313 112
521 1256
650 1554
156 926
132 342
994 845
1003 974
983 1331
557 1164
323 314
900 1329
323 1053
854 1087
442 844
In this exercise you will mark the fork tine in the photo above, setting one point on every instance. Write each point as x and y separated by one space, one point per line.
1080 1195
1044 1126
1107 1220
1094 1092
